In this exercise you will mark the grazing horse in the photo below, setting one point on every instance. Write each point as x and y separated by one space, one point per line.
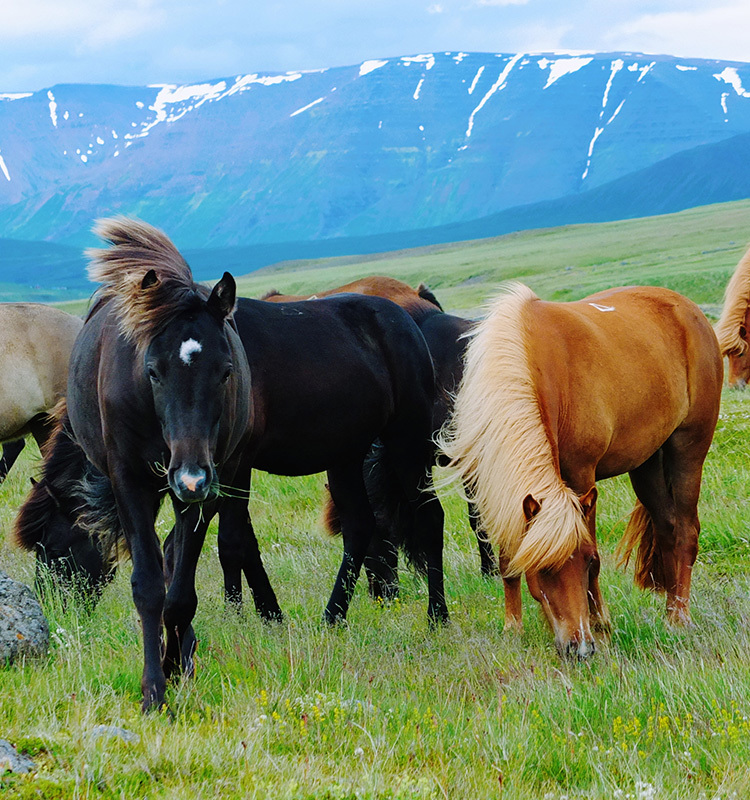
47 522
445 335
37 341
556 396
158 400
733 327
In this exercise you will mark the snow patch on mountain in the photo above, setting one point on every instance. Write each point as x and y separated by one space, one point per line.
562 66
497 86
370 66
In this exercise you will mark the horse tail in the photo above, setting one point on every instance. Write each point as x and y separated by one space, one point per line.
640 533
736 300
329 516
390 506
424 291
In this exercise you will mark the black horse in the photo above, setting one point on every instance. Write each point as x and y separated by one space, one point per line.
327 379
446 336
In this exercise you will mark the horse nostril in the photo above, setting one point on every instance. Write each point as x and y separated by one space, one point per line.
193 482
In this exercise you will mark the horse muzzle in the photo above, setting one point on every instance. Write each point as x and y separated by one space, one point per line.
191 484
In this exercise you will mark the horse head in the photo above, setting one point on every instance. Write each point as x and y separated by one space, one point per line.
197 371
563 590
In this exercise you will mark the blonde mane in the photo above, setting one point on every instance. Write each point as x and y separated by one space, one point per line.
136 248
736 299
499 448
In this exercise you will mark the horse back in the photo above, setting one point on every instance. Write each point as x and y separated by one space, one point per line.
36 341
328 376
618 372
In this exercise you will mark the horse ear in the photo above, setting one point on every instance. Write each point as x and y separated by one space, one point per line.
223 297
531 507
149 279
33 481
588 501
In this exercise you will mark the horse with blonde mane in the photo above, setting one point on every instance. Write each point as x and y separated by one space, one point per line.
556 396
734 324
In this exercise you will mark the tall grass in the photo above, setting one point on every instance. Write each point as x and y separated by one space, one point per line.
384 707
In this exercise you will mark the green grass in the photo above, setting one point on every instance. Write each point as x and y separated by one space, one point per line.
384 708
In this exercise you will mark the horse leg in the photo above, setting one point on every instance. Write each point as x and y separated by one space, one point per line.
411 460
684 454
598 612
488 563
11 451
348 491
381 566
137 512
191 523
652 485
512 592
189 641
239 552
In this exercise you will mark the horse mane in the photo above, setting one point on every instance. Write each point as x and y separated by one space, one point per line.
499 447
136 248
736 300
60 468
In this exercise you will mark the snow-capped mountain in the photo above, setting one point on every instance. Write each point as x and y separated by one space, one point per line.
397 144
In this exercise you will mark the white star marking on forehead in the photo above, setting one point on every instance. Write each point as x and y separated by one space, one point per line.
187 348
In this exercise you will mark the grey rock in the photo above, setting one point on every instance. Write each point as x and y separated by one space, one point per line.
112 731
12 761
23 629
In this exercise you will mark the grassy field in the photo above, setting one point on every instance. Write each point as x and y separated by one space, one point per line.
384 708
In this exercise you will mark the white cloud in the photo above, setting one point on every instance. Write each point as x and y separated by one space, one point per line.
719 32
94 22
500 2
435 8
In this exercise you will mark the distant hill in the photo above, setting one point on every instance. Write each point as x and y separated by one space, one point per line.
393 153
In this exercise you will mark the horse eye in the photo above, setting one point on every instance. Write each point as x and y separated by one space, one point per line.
152 376
227 375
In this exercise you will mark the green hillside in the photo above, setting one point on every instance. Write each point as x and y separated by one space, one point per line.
384 708
693 252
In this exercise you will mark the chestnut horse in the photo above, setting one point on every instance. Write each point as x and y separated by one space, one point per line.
445 335
733 327
556 396
37 341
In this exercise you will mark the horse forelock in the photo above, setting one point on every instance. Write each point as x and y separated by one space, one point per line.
736 300
499 447
137 248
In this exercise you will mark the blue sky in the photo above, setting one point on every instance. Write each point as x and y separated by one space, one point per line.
46 42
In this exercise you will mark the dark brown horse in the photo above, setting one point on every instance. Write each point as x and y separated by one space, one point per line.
556 396
445 335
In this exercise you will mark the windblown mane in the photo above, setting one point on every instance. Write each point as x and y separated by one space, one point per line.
136 248
736 299
61 468
498 445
